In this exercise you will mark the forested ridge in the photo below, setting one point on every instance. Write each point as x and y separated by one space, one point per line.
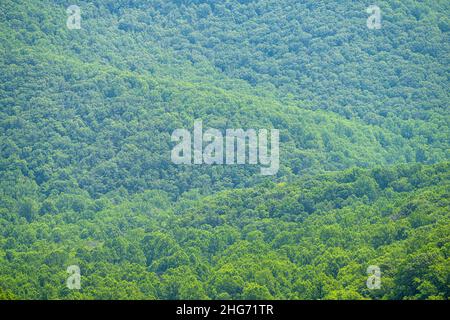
312 239
86 177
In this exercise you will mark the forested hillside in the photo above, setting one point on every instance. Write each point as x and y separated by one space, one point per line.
312 239
86 176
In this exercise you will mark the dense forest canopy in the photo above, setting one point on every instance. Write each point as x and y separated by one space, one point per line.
86 177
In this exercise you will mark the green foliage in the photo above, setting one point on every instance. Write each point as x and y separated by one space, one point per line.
264 242
85 172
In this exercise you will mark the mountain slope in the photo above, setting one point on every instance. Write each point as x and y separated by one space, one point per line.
312 239
86 176
98 105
